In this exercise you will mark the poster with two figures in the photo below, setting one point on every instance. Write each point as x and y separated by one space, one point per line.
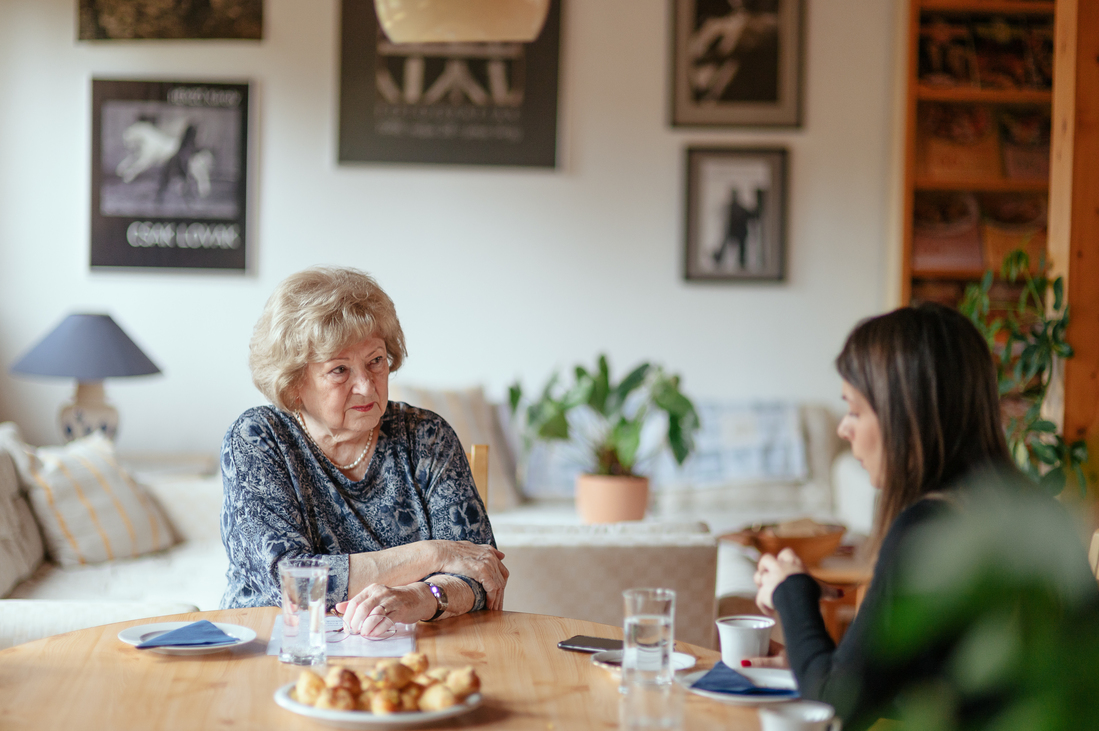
169 173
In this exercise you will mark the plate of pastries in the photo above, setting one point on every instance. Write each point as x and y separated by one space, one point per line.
394 693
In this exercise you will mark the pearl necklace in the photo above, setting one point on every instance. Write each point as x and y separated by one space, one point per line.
353 465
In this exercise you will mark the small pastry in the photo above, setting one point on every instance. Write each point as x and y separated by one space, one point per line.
308 688
417 661
391 675
436 698
463 682
343 678
410 697
337 699
385 702
439 674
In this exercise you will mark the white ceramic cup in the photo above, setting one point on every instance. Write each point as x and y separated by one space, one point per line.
744 635
799 716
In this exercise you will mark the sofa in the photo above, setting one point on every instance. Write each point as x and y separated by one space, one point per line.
557 565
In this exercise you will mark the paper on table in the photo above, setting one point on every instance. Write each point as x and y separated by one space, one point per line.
400 644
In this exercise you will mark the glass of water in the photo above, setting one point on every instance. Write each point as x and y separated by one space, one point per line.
649 636
304 588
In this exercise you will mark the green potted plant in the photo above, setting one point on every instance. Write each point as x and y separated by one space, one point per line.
610 490
1027 335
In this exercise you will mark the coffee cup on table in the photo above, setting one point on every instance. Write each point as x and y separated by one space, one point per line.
743 636
799 716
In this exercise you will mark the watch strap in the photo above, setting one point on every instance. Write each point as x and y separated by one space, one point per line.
440 600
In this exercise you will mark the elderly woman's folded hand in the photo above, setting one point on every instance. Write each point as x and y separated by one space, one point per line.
373 610
480 562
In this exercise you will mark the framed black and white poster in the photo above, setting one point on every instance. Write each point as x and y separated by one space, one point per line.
736 214
737 62
447 103
169 174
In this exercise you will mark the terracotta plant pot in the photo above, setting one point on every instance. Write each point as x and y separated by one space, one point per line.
606 499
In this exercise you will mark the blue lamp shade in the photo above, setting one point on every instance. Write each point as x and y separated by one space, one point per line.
87 348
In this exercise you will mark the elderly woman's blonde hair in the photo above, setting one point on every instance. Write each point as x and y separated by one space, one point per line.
310 318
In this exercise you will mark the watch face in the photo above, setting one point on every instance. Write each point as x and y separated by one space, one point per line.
440 599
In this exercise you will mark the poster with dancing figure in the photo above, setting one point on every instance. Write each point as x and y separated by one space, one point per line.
737 62
169 174
736 210
446 103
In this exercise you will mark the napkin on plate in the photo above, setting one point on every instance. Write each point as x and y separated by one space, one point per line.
723 679
201 632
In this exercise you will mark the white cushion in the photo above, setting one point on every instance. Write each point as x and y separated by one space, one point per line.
474 420
89 508
21 549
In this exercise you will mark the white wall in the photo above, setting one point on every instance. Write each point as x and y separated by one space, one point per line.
555 265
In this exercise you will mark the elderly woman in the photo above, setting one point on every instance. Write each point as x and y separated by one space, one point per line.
380 491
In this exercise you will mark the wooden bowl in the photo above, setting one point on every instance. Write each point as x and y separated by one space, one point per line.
810 549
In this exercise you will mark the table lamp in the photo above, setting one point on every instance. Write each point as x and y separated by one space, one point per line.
88 348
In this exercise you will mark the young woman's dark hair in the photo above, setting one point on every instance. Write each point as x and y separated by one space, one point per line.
928 375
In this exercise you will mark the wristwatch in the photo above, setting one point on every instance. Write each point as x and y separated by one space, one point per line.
440 599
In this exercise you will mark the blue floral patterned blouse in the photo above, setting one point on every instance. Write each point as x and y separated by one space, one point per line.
284 498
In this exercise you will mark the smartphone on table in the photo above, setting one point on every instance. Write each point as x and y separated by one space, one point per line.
584 643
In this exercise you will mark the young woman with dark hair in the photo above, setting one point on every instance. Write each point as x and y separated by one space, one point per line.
924 420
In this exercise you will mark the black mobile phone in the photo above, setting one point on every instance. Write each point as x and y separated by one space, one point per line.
583 643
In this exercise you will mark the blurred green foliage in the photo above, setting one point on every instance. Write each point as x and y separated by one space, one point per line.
1006 587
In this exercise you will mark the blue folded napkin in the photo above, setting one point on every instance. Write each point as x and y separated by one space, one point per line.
201 632
723 679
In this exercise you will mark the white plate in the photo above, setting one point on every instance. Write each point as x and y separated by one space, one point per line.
762 677
611 661
143 632
364 720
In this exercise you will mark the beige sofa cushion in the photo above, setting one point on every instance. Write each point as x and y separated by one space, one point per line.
474 420
89 508
21 549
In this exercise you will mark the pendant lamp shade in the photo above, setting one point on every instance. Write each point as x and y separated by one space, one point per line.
87 348
462 21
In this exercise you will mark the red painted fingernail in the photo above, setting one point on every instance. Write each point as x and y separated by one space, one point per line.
745 663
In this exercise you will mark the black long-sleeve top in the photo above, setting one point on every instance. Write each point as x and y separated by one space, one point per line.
847 676
862 677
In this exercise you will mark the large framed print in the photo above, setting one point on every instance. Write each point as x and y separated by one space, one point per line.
736 214
169 174
446 103
737 63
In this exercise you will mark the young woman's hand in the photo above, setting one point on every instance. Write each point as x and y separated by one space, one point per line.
776 658
772 571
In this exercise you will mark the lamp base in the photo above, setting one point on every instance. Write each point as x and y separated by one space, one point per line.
88 413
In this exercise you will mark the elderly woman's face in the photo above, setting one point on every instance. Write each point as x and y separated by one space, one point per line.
348 393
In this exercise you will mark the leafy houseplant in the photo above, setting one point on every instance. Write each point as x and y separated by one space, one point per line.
620 411
1025 338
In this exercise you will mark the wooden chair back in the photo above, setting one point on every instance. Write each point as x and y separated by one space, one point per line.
478 465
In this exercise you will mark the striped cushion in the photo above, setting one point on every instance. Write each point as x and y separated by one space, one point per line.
90 510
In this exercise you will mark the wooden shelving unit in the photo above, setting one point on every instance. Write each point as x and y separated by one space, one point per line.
922 97
1073 234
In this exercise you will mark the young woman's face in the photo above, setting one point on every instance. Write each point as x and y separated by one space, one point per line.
860 427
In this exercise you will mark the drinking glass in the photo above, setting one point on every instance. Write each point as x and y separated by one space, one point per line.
304 584
649 636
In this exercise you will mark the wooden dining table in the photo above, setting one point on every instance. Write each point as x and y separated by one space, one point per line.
89 679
